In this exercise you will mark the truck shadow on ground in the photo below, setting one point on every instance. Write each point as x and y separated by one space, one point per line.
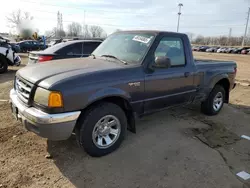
82 170
243 108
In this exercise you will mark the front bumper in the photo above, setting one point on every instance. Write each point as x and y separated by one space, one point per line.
51 126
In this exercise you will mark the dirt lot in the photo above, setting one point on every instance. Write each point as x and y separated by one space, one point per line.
175 148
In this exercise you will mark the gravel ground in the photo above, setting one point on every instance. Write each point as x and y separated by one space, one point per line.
176 148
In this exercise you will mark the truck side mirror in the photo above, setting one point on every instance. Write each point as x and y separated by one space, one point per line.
162 62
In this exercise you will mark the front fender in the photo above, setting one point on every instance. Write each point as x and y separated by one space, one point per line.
108 92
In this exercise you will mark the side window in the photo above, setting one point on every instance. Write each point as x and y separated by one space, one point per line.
72 49
89 47
172 47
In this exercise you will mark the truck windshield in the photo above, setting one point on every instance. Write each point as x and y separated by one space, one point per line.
127 47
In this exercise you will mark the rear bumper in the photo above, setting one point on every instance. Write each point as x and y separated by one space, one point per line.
51 126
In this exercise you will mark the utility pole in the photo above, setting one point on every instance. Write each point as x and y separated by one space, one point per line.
84 18
58 24
244 38
61 23
229 36
179 15
83 25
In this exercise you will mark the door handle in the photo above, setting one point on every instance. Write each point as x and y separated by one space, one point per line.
187 74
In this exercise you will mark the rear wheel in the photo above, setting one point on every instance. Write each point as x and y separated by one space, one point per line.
101 129
214 102
3 65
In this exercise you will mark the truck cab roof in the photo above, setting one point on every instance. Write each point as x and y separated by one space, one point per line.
155 32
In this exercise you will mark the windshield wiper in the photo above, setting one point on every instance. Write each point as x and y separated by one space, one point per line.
111 56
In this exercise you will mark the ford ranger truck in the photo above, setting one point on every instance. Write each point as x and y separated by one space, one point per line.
131 74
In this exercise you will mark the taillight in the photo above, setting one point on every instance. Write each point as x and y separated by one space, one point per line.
44 58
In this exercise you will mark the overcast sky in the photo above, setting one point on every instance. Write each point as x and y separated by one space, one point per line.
206 17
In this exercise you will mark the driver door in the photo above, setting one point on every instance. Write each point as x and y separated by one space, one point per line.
166 87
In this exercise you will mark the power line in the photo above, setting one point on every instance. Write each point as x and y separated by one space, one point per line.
80 8
157 25
111 11
115 18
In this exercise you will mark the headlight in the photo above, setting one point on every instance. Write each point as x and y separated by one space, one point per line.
48 98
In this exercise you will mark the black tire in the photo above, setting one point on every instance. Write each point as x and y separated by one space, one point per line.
86 125
207 107
3 65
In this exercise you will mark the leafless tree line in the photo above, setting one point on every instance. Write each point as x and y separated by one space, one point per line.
75 29
218 40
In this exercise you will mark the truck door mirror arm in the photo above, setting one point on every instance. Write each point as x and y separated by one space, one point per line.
162 62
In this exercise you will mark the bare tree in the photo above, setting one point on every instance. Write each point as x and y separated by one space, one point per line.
97 31
16 17
55 33
199 39
74 29
61 33
85 32
190 36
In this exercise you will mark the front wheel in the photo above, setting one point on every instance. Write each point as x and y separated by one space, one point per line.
214 102
101 129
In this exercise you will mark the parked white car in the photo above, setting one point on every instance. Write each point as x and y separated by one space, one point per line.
7 56
221 50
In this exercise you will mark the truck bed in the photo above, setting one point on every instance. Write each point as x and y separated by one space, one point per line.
213 63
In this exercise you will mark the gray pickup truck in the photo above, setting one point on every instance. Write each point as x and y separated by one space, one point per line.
131 74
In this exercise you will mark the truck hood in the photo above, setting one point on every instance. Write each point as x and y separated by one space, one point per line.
59 69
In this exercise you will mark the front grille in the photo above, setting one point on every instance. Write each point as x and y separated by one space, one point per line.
23 89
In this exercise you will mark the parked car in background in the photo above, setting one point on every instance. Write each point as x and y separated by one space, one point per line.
245 51
64 50
230 50
195 48
29 45
54 42
212 49
7 56
238 50
15 47
225 50
203 48
221 50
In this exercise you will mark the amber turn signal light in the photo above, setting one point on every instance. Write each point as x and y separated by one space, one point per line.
55 100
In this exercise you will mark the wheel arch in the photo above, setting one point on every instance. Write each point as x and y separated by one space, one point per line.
224 82
119 100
